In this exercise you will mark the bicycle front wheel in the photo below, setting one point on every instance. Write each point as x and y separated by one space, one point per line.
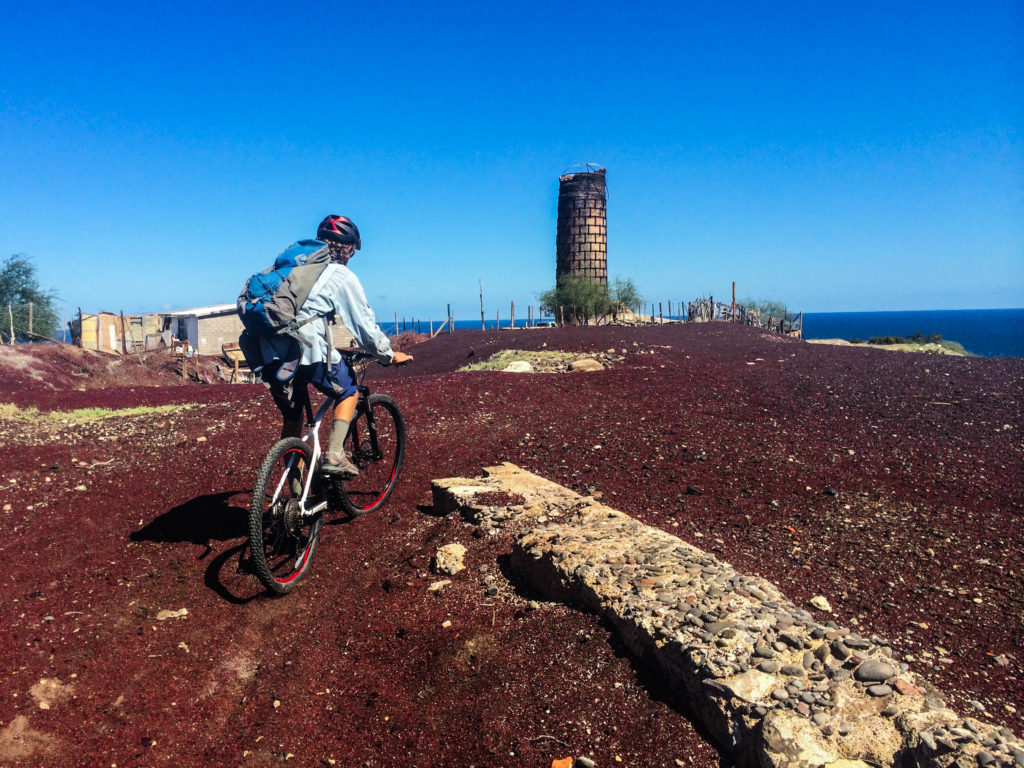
378 452
282 538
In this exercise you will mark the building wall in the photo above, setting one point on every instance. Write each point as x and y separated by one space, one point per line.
216 330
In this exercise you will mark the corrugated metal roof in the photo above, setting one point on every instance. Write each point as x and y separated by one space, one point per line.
213 309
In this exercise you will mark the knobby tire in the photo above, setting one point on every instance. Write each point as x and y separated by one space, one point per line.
378 469
282 543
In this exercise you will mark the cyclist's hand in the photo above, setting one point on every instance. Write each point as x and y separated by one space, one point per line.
400 358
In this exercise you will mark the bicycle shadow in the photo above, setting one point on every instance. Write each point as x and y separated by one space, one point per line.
213 517
232 578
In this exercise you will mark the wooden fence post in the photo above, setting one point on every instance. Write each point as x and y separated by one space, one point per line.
661 317
124 336
10 315
512 312
482 323
30 318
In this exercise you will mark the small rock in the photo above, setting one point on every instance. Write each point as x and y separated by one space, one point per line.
437 586
586 364
820 603
181 613
518 366
449 559
584 762
907 688
879 690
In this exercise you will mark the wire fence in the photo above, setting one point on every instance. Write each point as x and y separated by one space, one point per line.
20 323
708 310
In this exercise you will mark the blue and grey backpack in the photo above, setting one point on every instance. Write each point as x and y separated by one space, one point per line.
271 299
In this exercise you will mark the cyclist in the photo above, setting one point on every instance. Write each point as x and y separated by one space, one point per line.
336 292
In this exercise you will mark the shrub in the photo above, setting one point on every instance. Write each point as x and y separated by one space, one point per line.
582 298
887 340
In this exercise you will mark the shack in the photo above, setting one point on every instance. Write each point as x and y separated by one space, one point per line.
120 333
206 329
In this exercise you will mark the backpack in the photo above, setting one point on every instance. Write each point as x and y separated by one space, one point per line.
271 299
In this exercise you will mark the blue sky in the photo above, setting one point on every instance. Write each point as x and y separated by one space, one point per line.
839 157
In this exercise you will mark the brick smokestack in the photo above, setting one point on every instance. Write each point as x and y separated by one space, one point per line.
581 240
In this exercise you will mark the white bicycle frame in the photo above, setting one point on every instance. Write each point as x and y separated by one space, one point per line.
312 437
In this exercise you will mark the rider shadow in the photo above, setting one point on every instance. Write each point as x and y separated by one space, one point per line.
198 521
202 521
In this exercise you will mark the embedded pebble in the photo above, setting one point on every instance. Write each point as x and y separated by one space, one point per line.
873 671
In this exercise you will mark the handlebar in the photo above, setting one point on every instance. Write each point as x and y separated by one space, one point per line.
356 355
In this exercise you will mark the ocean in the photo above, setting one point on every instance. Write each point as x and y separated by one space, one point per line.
983 332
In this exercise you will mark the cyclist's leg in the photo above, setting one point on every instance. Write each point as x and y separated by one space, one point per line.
291 398
337 382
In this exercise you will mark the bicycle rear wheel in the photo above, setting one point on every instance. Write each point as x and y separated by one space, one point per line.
282 539
377 453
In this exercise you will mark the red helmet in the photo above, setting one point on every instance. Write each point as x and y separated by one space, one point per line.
339 229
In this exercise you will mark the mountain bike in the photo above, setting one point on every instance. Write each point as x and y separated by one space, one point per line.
292 495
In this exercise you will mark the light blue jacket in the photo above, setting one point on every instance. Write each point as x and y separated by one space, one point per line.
336 291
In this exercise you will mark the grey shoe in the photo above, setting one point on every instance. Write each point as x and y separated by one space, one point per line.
339 465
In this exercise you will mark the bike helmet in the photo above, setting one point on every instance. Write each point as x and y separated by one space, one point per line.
339 229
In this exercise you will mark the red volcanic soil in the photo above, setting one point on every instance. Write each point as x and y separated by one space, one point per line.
889 483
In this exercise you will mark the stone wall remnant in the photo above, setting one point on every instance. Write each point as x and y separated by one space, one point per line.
771 684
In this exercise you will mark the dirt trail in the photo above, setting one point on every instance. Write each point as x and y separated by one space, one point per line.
891 484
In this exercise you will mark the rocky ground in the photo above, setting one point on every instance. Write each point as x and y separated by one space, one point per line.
890 484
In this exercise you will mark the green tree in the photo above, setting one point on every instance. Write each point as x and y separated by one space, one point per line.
624 295
20 290
579 298
582 299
